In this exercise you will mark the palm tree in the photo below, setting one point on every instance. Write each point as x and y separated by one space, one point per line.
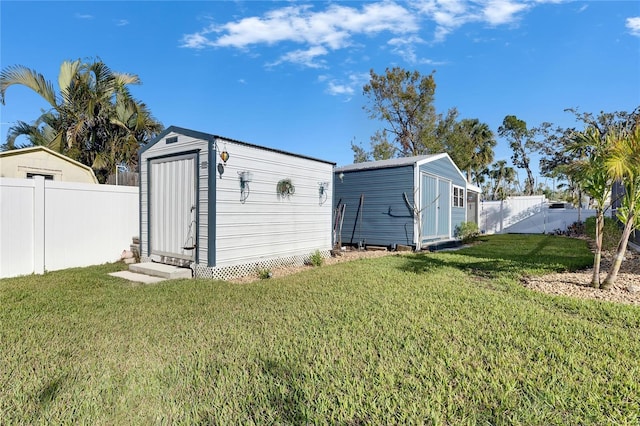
93 119
592 176
624 165
482 142
501 174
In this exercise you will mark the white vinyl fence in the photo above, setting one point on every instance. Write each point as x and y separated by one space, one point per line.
48 225
496 216
527 215
549 221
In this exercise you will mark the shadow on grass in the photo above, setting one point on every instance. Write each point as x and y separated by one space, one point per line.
507 256
285 396
425 263
50 391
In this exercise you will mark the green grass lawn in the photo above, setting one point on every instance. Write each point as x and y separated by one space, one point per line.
445 338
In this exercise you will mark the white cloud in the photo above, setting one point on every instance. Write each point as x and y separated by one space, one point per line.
122 23
304 57
376 17
633 24
406 47
449 15
339 89
330 29
499 12
195 41
83 16
339 26
346 87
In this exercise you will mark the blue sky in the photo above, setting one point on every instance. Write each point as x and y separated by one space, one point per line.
289 75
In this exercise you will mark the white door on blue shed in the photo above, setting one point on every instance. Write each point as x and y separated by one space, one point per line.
435 195
444 208
172 207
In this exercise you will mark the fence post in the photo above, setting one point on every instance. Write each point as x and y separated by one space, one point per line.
38 225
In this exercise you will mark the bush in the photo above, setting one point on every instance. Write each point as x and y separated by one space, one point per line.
611 235
467 231
575 229
264 273
316 259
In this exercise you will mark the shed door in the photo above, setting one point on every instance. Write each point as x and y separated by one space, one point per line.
436 207
429 206
472 207
444 207
173 210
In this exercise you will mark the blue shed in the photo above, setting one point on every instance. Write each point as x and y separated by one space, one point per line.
413 201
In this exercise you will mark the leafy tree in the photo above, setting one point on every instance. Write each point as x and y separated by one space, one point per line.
381 149
559 152
553 147
360 155
93 119
404 101
623 164
522 143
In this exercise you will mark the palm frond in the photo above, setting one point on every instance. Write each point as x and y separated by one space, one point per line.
68 73
31 131
18 74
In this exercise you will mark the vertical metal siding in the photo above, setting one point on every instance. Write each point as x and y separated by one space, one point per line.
173 206
185 144
211 206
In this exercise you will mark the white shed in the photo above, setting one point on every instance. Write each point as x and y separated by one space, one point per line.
225 208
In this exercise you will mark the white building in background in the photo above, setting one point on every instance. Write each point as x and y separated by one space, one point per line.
42 161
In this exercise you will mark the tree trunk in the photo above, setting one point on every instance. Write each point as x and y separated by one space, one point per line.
617 260
530 182
595 280
580 208
495 190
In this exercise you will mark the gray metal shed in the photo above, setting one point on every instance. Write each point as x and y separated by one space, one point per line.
381 198
225 207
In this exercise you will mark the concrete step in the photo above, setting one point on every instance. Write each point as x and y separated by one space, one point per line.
160 270
139 278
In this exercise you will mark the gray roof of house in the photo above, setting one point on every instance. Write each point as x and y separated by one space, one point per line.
393 162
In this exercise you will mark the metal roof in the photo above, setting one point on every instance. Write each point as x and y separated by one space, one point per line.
392 162
404 161
212 138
